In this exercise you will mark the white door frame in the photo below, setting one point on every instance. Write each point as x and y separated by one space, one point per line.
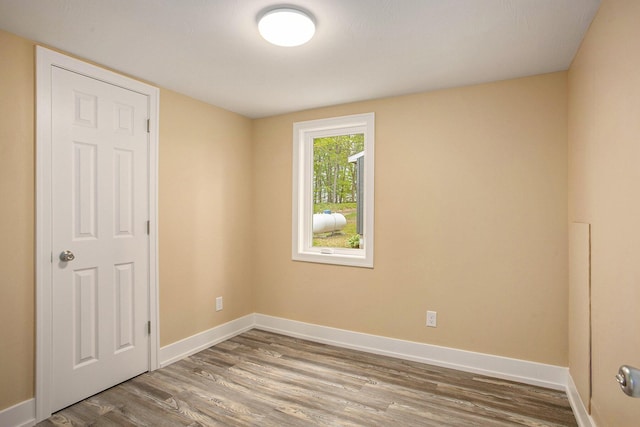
45 60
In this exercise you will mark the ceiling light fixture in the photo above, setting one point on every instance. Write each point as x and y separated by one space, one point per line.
286 27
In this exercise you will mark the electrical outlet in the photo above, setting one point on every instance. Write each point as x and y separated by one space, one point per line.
218 303
432 319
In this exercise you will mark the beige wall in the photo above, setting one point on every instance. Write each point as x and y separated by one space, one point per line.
604 177
204 207
17 148
205 212
471 191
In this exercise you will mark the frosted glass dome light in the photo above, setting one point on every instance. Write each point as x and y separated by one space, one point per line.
286 27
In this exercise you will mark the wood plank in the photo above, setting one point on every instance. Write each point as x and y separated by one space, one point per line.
266 379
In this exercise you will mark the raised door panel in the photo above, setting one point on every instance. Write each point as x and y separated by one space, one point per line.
84 197
123 192
85 316
124 307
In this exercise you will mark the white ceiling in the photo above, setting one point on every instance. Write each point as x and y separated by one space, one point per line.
363 49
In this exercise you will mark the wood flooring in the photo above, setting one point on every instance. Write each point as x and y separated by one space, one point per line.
264 379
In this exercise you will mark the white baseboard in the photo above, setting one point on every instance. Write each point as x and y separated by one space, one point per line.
21 415
486 364
533 373
579 410
198 342
551 376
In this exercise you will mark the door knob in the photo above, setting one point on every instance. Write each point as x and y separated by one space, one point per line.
629 379
67 256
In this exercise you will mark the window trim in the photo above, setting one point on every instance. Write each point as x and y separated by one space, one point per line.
302 205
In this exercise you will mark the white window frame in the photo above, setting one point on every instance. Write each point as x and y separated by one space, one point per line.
302 237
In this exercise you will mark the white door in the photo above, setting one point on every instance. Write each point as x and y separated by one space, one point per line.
100 209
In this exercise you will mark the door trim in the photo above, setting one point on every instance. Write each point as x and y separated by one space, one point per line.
45 60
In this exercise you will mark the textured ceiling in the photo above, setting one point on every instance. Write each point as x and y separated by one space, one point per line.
363 49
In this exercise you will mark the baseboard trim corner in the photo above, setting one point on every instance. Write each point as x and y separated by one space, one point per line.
579 410
539 374
186 347
22 414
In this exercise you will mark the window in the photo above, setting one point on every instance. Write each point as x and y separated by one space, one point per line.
333 190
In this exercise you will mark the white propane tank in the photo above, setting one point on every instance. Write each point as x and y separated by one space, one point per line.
328 222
